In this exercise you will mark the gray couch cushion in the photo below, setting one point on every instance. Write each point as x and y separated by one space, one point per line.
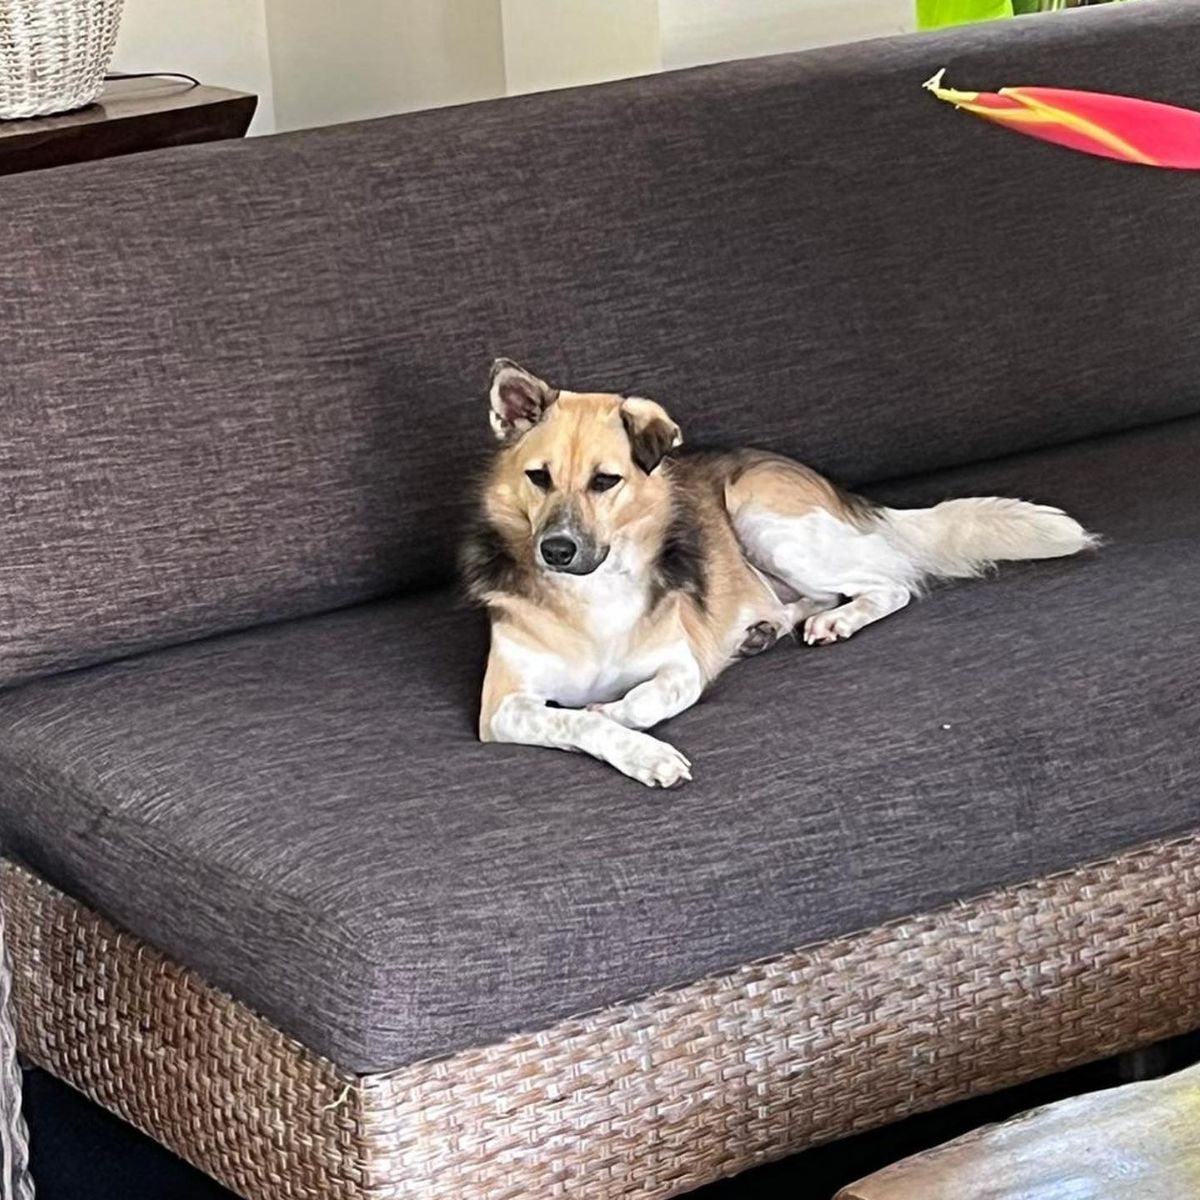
302 813
241 382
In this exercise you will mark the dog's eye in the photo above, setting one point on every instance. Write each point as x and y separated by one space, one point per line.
603 483
540 478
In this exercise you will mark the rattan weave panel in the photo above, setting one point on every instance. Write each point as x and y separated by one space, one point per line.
646 1099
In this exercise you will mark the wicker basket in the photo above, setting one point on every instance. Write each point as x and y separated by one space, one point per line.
54 53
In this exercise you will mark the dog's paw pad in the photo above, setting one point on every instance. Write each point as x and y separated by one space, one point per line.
760 636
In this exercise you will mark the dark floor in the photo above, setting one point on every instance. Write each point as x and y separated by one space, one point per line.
81 1153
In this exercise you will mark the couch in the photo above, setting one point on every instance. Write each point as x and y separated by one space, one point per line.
267 896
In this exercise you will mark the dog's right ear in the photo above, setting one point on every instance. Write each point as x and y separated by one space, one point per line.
652 433
518 399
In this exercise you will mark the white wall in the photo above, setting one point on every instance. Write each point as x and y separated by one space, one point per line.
221 42
314 62
560 43
704 31
340 60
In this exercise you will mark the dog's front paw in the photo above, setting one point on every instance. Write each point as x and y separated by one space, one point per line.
825 628
646 759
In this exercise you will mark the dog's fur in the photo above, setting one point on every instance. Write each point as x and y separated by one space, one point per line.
666 569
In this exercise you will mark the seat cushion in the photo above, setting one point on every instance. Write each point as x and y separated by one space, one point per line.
302 812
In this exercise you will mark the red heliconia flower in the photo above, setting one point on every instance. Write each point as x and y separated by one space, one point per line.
1133 131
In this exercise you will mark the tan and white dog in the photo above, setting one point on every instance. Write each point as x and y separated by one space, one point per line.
621 581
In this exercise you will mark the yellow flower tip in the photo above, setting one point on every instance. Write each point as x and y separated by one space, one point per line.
950 95
934 82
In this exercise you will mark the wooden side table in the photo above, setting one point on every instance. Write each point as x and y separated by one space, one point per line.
131 115
1137 1142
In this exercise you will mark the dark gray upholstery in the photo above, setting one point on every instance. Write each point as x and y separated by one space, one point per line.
302 813
240 382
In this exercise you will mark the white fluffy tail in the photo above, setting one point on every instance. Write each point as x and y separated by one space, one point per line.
960 538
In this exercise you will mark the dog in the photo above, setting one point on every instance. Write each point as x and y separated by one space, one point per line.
622 578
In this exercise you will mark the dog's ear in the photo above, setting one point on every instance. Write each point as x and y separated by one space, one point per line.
652 433
518 399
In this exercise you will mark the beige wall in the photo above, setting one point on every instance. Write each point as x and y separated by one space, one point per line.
703 31
559 43
222 42
339 60
314 62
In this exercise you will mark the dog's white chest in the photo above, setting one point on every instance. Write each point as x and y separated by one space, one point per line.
609 660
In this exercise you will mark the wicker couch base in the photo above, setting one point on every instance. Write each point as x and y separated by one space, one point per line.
647 1099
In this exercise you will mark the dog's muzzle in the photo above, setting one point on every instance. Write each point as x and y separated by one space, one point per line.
563 550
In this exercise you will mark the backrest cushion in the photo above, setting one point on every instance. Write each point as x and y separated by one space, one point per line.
245 382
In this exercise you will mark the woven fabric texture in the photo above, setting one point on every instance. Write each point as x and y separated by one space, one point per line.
303 814
242 382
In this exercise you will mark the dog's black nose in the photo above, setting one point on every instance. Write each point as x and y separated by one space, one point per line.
558 551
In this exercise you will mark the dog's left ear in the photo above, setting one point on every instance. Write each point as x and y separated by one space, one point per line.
652 433
518 399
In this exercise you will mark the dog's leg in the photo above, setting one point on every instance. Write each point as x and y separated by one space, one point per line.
762 635
822 544
824 628
527 720
661 697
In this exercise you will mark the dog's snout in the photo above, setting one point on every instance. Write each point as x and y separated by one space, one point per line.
559 551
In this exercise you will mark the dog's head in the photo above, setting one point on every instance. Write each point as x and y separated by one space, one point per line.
577 467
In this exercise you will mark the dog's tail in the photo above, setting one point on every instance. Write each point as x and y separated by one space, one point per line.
958 539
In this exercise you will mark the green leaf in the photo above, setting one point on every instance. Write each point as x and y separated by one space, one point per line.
932 14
